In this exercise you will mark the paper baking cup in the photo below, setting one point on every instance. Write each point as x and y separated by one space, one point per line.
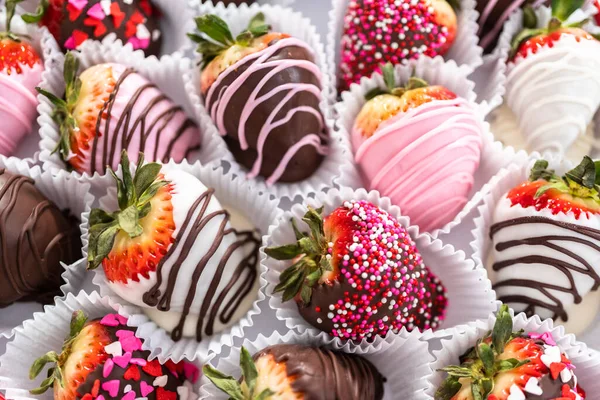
67 194
440 72
403 380
470 295
293 23
465 50
45 332
456 341
165 73
232 192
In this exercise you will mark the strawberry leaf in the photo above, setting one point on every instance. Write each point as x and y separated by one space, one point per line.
584 174
477 391
509 364
249 372
530 19
215 28
540 171
389 76
487 356
299 235
562 9
306 294
458 371
40 363
145 176
227 384
11 5
78 320
285 252
487 385
503 329
128 221
39 13
99 216
265 395
448 389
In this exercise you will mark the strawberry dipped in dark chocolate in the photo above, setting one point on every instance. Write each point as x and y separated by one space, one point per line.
358 275
263 89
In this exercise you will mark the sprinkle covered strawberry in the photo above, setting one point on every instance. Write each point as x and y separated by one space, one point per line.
376 32
103 359
358 274
507 365
290 371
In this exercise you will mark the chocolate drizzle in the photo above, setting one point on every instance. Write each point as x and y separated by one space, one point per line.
213 305
34 238
322 374
579 265
128 123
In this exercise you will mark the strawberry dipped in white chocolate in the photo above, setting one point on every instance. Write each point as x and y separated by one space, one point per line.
419 145
170 248
109 108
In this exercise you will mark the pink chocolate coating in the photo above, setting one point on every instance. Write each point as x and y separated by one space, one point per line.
424 160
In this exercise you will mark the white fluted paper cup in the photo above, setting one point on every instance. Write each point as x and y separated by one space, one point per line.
465 50
436 71
47 331
67 194
469 291
237 196
293 23
165 73
456 341
403 380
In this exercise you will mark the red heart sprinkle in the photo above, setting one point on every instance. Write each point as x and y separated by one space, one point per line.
100 28
79 37
162 394
132 373
556 368
74 13
153 368
96 388
117 14
137 17
87 396
146 7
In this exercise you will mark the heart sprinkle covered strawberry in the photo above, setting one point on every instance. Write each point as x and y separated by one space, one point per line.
20 72
358 274
72 22
290 371
546 240
103 359
110 108
401 137
170 248
272 122
396 31
507 365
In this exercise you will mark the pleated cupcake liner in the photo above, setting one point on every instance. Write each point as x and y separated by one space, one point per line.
465 51
46 331
294 23
232 192
453 77
406 380
456 341
470 295
67 194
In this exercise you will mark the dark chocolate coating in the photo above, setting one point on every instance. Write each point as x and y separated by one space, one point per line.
63 27
307 160
35 236
322 374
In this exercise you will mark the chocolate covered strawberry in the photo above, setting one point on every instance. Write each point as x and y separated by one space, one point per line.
103 359
20 72
263 91
72 22
377 32
109 108
401 137
553 84
293 371
507 365
357 274
546 244
168 246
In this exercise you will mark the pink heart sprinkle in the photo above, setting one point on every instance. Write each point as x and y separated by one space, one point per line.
122 333
70 43
78 4
192 373
146 389
121 319
139 43
96 12
131 343
107 369
123 361
109 319
129 396
100 397
139 361
112 387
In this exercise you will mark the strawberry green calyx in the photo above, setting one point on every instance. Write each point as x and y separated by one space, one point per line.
311 256
134 194
482 363
39 13
11 6
246 390
392 87
215 37
55 372
63 108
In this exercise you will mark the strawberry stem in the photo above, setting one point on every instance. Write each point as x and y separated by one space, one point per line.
392 87
39 13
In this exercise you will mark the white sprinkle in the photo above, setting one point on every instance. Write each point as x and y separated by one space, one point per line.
516 393
142 32
319 320
127 389
105 4
161 381
155 35
183 392
565 375
114 349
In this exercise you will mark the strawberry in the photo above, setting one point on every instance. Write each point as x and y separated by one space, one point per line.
100 358
376 32
109 108
349 276
507 365
385 104
294 372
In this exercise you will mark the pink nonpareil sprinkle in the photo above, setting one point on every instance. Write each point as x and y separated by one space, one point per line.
122 333
123 361
78 4
112 387
146 389
109 320
131 343
96 12
139 43
546 337
129 395
70 43
138 361
108 367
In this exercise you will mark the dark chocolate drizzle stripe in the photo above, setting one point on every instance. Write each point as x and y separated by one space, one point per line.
567 268
128 123
244 275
